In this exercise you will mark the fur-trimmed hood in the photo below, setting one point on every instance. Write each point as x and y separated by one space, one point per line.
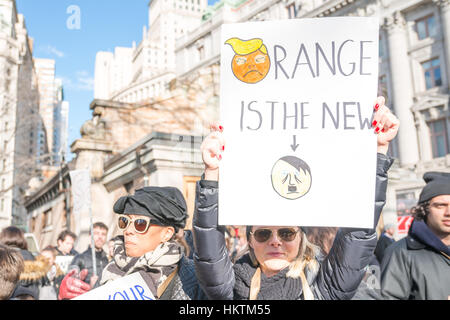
35 271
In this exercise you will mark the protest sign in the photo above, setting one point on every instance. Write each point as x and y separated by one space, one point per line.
296 103
64 262
130 287
403 225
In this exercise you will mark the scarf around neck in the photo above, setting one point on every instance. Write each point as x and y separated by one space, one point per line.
277 287
158 263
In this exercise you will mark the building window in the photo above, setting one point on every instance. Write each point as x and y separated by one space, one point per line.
382 87
426 27
292 10
432 73
129 187
47 219
381 49
438 136
201 52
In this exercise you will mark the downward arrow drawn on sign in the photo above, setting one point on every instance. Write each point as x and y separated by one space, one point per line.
295 144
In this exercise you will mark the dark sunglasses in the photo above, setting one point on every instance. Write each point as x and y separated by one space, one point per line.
285 234
140 224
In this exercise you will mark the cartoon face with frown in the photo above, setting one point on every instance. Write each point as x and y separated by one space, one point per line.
291 177
251 62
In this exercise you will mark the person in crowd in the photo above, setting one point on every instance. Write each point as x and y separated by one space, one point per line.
53 274
281 263
237 243
11 267
65 242
14 237
110 249
417 267
323 237
385 240
188 238
84 260
369 288
150 220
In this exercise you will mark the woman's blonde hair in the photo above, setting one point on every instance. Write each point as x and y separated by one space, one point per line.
305 261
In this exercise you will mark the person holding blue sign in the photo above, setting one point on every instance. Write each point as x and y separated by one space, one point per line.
150 220
281 263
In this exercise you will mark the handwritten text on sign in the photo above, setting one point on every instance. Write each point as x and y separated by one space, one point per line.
296 103
131 287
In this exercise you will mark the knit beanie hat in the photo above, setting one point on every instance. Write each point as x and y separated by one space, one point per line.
438 183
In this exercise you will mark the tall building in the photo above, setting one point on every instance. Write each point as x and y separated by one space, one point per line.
60 125
19 114
143 72
414 74
53 109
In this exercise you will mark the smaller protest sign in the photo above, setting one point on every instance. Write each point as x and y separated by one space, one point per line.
403 223
63 262
130 287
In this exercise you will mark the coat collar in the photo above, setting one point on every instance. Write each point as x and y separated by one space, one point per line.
420 237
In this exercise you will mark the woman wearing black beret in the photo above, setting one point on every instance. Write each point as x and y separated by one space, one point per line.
150 220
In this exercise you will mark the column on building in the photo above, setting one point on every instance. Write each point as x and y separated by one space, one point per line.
424 137
444 6
402 90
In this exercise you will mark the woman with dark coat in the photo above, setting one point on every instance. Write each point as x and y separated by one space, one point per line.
150 220
281 263
15 238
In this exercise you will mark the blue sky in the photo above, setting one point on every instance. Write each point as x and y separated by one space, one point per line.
104 24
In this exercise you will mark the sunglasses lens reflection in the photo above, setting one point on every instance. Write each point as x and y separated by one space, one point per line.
123 222
140 225
262 235
286 234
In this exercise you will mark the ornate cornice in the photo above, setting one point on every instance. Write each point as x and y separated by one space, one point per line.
442 3
328 8
395 22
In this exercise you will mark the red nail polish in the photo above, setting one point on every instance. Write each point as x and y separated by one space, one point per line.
382 130
374 123
221 128
220 157
376 107
377 129
223 148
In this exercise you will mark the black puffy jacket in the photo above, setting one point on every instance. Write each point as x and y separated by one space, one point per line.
339 274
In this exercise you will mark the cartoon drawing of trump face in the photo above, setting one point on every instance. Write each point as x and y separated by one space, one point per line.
251 62
291 177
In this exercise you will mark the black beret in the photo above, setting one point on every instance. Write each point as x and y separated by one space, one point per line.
164 205
438 183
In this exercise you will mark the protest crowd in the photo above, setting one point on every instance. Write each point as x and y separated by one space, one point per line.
234 153
243 262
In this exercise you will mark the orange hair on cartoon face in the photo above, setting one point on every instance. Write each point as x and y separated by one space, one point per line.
251 62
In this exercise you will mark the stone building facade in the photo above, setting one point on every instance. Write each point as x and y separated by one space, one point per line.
414 73
124 147
19 115
138 139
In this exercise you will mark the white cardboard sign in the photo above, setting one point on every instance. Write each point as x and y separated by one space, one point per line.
64 262
130 287
296 103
